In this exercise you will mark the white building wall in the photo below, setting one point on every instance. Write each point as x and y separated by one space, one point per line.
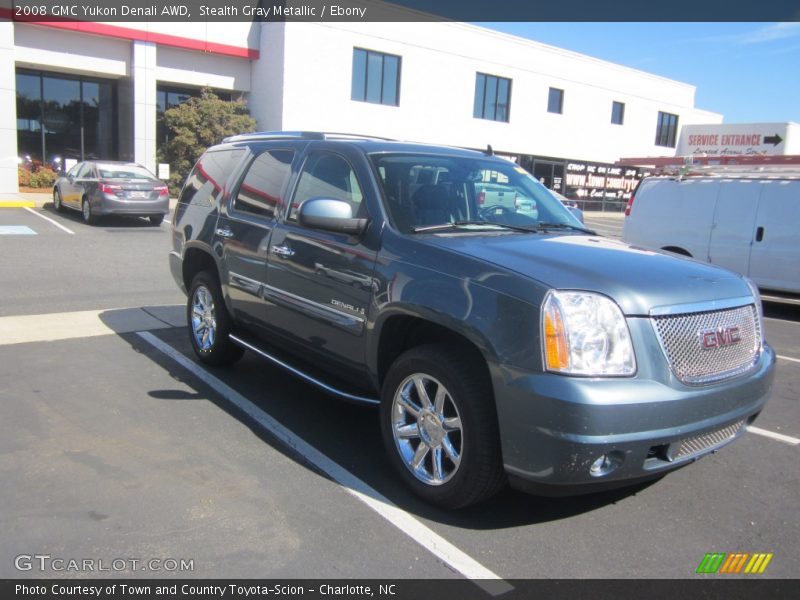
8 116
439 63
267 88
51 49
185 67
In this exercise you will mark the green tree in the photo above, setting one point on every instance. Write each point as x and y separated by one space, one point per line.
195 125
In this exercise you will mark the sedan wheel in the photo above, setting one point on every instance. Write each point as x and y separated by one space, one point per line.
88 216
57 204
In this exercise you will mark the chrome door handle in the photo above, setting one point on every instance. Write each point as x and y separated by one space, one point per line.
225 233
283 251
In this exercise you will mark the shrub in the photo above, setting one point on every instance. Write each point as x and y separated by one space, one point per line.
43 178
195 125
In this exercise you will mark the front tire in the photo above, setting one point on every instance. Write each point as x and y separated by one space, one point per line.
57 203
209 323
439 426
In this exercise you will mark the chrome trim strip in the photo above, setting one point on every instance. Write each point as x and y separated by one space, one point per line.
695 307
334 316
302 375
251 286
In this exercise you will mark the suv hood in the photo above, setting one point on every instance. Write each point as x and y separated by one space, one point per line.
636 278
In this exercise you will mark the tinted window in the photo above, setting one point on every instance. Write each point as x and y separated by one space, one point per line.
617 113
260 192
666 129
85 170
327 176
555 101
208 177
376 77
492 97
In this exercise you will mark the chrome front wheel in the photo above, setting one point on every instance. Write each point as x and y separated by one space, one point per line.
427 429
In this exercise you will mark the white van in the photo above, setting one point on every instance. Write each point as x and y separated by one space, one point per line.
747 222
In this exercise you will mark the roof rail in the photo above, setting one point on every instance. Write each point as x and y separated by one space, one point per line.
299 135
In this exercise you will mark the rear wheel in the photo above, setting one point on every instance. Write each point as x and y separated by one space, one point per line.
86 210
209 322
156 220
439 426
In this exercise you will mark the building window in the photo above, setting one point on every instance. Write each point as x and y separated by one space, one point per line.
555 101
492 97
666 129
617 113
169 97
376 77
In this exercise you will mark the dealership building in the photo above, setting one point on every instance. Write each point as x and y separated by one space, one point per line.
75 90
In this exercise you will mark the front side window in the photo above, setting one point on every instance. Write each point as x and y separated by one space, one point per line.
666 129
376 77
327 176
555 101
260 192
492 97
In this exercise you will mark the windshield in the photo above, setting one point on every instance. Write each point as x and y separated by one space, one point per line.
424 190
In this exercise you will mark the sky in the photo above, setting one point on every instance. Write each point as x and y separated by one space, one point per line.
748 72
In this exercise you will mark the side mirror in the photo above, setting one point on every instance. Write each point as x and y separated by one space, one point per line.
330 215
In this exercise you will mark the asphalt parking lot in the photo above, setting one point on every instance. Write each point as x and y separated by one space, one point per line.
115 444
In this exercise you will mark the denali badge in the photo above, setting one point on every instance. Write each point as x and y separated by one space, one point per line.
722 336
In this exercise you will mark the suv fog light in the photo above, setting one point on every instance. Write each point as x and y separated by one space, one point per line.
607 463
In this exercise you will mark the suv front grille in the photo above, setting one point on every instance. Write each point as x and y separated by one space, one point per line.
707 346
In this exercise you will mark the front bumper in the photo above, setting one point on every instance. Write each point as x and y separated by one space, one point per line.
106 204
555 427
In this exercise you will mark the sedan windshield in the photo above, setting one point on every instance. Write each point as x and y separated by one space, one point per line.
425 191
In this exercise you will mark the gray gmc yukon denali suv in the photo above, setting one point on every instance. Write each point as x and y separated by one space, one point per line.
500 345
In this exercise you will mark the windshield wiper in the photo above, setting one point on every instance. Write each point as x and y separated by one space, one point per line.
543 225
457 224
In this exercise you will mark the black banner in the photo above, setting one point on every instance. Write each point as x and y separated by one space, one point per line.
705 587
397 10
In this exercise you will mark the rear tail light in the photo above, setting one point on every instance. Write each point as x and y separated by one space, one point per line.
481 198
162 190
110 189
629 206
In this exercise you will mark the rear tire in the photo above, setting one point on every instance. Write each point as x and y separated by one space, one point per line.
444 441
156 220
209 323
88 215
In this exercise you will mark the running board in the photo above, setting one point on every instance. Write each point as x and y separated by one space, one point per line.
302 375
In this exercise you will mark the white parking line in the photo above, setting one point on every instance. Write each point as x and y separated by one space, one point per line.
416 530
167 221
775 436
57 224
797 360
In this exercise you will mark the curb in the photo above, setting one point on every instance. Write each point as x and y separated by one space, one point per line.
17 204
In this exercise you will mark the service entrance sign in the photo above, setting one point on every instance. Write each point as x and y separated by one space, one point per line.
740 139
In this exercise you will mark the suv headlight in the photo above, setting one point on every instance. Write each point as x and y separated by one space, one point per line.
585 334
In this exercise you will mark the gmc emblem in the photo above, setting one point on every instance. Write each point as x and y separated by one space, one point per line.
717 338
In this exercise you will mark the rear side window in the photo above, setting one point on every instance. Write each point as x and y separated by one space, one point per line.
327 176
260 192
207 179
